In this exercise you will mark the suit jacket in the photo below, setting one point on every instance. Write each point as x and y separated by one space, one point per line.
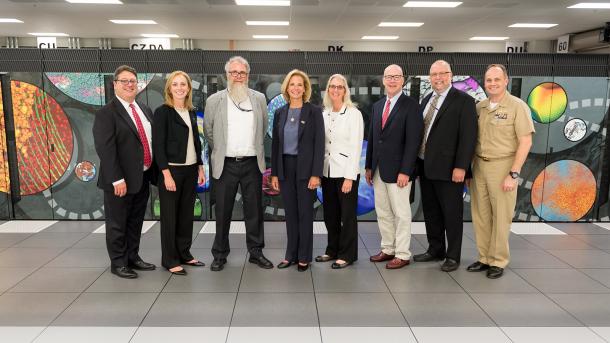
453 136
119 147
393 149
310 160
170 137
215 127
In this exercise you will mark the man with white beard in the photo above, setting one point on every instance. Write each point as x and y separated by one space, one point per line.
235 122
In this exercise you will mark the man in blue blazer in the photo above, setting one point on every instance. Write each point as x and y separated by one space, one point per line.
395 132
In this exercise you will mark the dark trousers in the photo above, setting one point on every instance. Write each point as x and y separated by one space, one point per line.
244 173
340 219
298 203
177 216
443 211
124 219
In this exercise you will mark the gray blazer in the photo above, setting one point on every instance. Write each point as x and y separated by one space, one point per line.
215 128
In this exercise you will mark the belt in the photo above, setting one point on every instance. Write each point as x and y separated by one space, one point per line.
239 158
487 159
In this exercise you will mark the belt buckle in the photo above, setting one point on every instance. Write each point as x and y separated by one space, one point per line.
239 158
486 159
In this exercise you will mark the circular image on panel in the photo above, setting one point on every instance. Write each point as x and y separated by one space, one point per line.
548 102
575 129
267 189
563 191
41 126
204 155
273 89
275 103
85 171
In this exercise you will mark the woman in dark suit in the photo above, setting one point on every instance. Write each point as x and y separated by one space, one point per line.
297 159
177 150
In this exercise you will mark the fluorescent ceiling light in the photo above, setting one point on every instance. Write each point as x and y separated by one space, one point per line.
266 23
380 37
48 34
133 21
488 38
532 25
262 2
399 24
160 35
270 36
10 20
594 5
107 2
432 4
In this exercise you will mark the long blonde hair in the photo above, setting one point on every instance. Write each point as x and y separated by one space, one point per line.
169 99
347 100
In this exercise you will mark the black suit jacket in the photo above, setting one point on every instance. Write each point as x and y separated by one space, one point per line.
310 160
393 149
453 136
118 145
170 137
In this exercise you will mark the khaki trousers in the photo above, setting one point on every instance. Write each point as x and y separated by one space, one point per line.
393 217
492 210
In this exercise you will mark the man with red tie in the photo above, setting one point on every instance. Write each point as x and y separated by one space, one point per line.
122 136
395 133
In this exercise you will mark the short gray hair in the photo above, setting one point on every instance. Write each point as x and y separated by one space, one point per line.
239 60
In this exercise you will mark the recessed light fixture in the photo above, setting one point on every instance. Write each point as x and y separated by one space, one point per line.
262 2
160 35
593 5
489 38
106 2
533 26
379 37
10 20
133 21
267 23
48 34
270 36
399 24
432 4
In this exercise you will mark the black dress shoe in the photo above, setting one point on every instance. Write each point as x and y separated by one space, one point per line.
302 268
141 265
336 265
477 267
426 257
178 272
324 258
450 265
124 272
285 264
218 265
494 272
261 261
194 264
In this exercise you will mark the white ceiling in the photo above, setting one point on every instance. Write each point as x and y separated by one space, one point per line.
328 20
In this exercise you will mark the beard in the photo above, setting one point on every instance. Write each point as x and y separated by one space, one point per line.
238 92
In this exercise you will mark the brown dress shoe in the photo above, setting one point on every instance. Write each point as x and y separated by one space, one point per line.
381 257
397 263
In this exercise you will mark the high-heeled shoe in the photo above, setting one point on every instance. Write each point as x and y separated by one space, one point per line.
178 272
284 264
302 268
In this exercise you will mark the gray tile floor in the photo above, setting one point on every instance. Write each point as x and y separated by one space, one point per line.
55 287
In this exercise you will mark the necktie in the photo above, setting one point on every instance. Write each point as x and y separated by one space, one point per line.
427 123
143 139
386 114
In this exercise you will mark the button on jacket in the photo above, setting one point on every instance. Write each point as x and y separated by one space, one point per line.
343 146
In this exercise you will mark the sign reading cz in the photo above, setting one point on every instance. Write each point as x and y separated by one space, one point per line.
149 44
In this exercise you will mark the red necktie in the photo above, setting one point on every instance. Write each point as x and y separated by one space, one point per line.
386 114
143 139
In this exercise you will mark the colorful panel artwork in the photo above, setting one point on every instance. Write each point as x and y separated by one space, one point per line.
564 191
275 103
204 155
548 102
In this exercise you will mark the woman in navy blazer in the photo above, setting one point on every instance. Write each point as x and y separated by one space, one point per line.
297 160
177 150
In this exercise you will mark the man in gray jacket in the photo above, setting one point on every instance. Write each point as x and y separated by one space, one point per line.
235 122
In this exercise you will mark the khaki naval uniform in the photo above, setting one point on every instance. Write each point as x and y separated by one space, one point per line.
493 208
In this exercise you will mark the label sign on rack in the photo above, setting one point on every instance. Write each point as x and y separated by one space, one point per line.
46 42
149 44
563 44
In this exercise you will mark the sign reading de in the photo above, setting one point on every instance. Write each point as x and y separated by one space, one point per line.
46 42
149 44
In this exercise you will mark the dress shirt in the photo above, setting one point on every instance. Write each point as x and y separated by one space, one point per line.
240 129
343 142
442 96
291 132
393 101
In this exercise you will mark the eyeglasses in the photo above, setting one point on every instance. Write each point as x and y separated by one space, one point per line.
239 107
433 75
237 74
393 77
125 82
337 87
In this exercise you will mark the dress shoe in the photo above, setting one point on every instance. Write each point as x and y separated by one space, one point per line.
336 265
426 257
261 261
494 272
397 263
141 265
381 257
194 264
477 267
302 268
450 265
284 264
178 272
324 258
218 265
124 272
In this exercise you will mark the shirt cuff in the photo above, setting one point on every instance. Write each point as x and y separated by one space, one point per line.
118 182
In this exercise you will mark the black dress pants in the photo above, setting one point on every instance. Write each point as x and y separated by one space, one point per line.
340 219
177 216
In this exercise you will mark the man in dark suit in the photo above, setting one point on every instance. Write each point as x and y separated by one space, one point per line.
122 136
450 136
395 133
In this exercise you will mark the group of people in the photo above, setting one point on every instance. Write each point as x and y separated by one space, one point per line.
446 141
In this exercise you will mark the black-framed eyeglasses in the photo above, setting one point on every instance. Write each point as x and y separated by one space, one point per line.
337 87
236 74
239 107
126 82
393 77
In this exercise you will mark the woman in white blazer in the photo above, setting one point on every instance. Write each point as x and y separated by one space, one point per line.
344 133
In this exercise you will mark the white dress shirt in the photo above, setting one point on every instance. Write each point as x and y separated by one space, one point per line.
343 142
240 129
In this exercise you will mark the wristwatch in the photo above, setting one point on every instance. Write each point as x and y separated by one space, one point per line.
513 174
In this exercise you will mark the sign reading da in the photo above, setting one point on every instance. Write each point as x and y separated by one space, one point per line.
149 44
